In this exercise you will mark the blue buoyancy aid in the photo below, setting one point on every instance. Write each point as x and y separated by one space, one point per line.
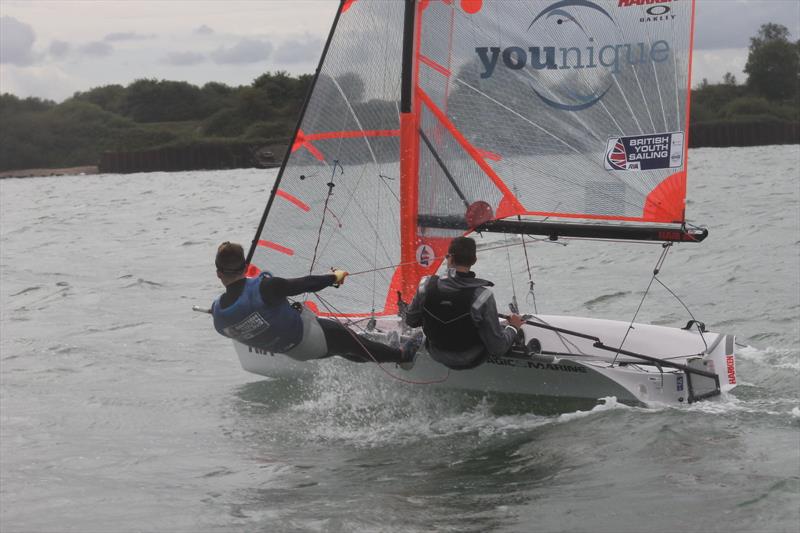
276 328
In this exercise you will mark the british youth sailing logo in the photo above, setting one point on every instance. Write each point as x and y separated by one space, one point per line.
645 152
579 49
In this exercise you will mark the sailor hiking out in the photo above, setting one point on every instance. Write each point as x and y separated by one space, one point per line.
458 313
256 312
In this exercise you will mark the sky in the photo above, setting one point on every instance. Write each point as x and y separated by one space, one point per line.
53 48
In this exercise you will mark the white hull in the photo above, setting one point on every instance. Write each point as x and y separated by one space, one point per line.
569 367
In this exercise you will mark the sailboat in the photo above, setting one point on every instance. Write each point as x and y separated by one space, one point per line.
431 119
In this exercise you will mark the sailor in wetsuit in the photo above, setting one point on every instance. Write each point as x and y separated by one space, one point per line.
458 313
255 312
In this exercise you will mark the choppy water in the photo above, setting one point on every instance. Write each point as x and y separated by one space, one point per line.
122 410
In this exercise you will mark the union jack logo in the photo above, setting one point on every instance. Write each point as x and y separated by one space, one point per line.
617 157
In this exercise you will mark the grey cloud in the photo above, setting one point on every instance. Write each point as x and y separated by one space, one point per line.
126 36
96 48
730 24
245 51
181 59
203 30
59 49
16 42
295 51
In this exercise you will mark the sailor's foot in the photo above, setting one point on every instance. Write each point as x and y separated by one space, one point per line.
409 350
393 339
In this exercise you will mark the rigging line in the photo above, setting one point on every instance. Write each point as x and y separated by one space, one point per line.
361 128
687 310
354 248
375 251
528 266
350 198
656 270
337 313
331 309
480 250
530 273
511 275
324 212
361 178
565 342
543 241
444 168
360 207
352 192
363 171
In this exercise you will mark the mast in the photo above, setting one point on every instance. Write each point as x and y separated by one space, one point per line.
288 153
409 155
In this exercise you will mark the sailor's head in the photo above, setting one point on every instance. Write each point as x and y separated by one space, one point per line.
230 262
461 252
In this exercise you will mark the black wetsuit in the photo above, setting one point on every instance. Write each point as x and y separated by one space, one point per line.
341 341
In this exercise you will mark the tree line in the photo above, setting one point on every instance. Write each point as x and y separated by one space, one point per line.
146 114
152 113
771 92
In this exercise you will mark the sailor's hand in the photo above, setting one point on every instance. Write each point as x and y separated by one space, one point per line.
339 275
516 321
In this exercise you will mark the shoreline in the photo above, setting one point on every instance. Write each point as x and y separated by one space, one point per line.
94 169
46 172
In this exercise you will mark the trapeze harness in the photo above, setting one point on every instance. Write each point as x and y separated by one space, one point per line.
277 328
448 325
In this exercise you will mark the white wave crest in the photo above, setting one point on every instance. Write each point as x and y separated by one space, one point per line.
784 358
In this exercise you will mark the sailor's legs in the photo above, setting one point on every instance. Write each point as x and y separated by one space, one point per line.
345 343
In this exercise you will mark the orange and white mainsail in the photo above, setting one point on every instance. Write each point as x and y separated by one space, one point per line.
429 118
